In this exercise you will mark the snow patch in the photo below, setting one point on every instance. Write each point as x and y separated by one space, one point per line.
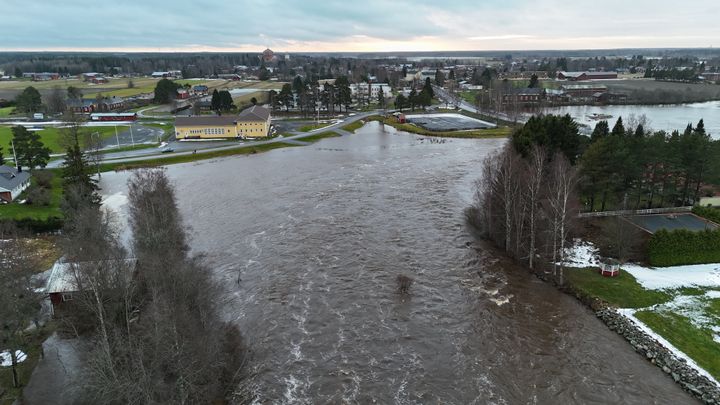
6 358
581 254
698 275
115 201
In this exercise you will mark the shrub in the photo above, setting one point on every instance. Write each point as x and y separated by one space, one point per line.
43 178
39 196
678 247
713 214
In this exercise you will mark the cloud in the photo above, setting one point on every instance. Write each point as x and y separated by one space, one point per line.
307 25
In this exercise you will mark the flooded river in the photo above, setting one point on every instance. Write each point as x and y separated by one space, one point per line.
309 241
660 117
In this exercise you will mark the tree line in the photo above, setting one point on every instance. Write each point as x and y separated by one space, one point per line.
531 191
151 313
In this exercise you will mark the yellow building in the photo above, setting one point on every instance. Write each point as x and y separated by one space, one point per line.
253 122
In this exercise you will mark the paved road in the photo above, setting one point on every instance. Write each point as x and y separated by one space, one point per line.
464 105
190 147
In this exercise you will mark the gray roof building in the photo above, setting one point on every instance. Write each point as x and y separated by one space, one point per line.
12 183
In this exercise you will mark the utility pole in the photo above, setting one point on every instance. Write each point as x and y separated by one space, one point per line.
117 138
132 139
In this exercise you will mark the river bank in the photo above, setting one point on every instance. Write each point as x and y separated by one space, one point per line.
309 253
648 347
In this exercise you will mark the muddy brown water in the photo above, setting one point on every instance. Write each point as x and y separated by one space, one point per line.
308 242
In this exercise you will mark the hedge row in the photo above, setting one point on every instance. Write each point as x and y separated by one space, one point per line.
51 224
713 214
678 247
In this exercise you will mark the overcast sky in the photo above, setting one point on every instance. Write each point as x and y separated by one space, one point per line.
356 25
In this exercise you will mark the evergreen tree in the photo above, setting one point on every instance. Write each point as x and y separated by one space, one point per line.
439 78
428 88
2 158
30 150
165 91
412 99
400 102
29 101
602 130
79 188
534 82
618 129
215 100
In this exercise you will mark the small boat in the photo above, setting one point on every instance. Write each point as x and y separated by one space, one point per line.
596 116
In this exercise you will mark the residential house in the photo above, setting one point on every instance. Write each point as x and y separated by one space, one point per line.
66 279
524 96
12 183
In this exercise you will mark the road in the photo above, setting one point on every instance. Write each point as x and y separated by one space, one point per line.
190 147
464 105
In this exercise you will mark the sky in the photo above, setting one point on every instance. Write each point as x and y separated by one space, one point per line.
355 26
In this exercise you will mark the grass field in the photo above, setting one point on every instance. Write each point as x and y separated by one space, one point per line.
312 127
51 137
353 126
322 135
622 291
5 111
698 343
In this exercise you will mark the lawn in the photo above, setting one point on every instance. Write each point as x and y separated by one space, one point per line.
353 126
622 291
37 212
317 137
51 137
697 343
5 111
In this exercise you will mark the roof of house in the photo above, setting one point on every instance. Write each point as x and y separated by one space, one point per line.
204 121
254 113
528 91
10 178
584 87
64 276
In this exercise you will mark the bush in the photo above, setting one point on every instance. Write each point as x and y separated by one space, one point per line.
43 178
678 247
713 214
39 196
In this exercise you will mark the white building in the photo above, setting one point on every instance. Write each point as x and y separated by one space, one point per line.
360 90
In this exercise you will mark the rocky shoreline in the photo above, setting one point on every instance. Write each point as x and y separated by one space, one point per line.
677 368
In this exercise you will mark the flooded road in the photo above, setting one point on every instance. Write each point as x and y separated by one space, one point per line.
308 242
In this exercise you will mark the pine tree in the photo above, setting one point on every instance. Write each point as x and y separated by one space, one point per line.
79 187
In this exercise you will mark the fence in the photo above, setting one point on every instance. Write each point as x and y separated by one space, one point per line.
634 212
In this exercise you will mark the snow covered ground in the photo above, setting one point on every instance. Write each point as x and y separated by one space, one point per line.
585 254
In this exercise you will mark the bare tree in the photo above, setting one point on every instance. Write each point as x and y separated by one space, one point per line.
56 101
562 207
535 175
19 301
